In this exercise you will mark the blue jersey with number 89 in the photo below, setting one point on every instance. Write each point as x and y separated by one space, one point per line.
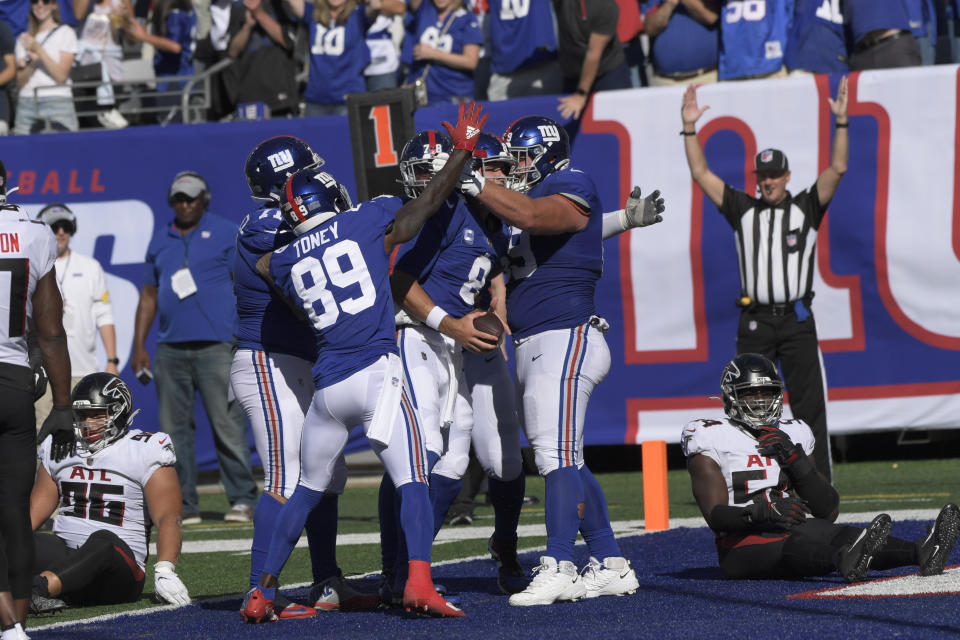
338 274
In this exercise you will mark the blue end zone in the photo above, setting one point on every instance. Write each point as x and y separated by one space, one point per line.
682 595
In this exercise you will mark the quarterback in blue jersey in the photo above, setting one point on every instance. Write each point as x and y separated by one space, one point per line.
438 279
555 260
336 270
271 375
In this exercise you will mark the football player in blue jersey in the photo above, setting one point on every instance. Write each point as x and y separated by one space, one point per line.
336 270
437 279
271 375
555 260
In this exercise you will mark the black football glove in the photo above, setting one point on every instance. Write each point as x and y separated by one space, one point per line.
39 382
767 514
776 444
60 424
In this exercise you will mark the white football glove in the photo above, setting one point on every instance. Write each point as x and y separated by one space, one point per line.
168 585
471 182
642 212
439 161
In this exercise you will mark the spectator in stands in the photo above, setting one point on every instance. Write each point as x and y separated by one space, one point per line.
753 39
481 74
174 39
213 49
816 43
953 28
99 44
262 39
188 281
86 305
8 73
382 71
14 14
684 40
338 50
629 28
446 49
590 53
44 55
523 50
881 35
923 24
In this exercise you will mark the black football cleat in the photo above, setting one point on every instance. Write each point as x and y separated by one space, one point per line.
510 575
855 558
935 548
40 605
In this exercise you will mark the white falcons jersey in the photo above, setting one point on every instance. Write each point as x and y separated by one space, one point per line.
105 490
746 472
28 250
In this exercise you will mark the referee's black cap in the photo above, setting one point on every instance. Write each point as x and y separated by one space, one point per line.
770 160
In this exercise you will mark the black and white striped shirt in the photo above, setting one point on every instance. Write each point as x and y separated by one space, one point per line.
776 245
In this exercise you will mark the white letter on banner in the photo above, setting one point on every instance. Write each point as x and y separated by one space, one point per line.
661 276
917 262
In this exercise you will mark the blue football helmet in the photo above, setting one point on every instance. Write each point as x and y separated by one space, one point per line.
310 198
272 161
417 164
541 146
492 151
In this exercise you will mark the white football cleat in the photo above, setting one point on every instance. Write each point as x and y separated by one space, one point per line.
552 582
336 594
612 577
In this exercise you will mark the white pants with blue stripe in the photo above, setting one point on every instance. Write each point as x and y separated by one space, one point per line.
374 398
275 390
557 371
480 408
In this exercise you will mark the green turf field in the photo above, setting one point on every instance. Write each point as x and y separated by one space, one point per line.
863 486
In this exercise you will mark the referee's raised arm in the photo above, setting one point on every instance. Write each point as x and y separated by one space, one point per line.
830 178
707 180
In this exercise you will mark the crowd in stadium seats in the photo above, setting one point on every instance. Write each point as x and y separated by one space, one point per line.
294 57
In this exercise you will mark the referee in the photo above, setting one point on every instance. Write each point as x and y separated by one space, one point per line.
776 248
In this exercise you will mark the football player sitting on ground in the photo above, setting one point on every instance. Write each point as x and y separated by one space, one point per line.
107 495
772 511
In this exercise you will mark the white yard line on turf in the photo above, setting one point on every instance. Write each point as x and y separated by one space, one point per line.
449 534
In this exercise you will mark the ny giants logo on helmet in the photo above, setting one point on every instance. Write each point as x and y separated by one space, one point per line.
281 160
549 133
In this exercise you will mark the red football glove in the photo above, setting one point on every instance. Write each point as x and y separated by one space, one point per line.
469 125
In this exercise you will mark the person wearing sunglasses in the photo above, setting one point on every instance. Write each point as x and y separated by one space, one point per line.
87 309
44 55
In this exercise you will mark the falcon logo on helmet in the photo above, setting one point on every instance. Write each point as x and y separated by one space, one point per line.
272 161
310 198
422 157
752 391
540 147
103 410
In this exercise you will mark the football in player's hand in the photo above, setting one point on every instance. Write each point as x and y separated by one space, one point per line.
489 323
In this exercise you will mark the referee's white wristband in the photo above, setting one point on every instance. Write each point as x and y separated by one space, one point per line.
435 317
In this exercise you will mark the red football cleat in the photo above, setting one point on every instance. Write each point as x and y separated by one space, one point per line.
420 597
256 608
287 609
